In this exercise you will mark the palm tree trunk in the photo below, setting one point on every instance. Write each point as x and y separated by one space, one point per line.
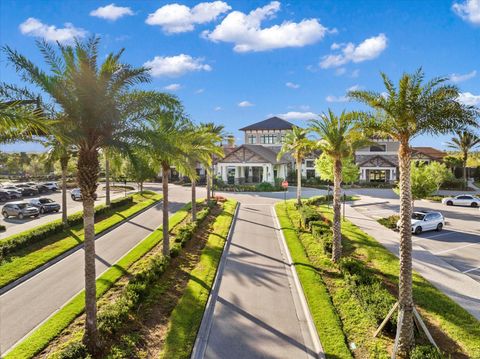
337 202
194 201
64 165
465 180
166 238
299 181
207 178
88 169
405 296
107 181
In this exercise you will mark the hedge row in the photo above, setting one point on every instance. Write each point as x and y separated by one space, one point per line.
112 317
308 214
26 238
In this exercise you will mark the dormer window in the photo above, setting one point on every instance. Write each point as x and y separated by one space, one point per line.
252 139
378 148
268 139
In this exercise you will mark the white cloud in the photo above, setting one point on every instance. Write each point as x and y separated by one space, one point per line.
469 10
366 50
292 85
218 108
246 33
331 98
175 66
173 87
460 78
304 107
111 12
176 18
245 104
354 88
469 99
295 115
199 91
34 27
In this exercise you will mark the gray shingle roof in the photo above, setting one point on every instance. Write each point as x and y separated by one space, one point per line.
272 123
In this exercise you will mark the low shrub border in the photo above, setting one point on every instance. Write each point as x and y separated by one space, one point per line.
325 316
187 315
390 221
27 259
39 339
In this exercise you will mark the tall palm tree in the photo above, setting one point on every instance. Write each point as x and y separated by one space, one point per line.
88 94
218 130
464 142
297 143
202 147
168 136
338 139
413 108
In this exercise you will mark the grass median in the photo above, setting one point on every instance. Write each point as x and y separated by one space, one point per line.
41 337
24 260
187 315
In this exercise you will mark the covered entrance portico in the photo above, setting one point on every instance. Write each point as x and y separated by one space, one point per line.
378 169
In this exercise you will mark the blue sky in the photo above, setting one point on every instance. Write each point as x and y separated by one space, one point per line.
237 62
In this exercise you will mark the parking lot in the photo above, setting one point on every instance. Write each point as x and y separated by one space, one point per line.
14 225
458 244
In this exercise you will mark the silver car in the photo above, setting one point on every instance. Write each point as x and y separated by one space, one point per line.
462 200
19 210
45 205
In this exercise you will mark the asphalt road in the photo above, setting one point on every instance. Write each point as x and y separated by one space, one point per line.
458 244
27 305
15 225
257 312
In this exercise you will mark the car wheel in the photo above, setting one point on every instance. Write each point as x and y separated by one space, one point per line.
5 214
418 230
20 216
449 203
439 227
35 216
474 204
73 197
42 210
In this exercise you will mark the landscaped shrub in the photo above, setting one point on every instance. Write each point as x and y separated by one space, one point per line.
24 239
308 214
426 352
454 184
389 222
2 228
265 187
322 232
369 290
75 350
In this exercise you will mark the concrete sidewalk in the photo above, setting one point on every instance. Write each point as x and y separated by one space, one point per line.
257 311
458 286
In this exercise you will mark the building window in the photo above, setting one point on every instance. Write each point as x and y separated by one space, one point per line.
252 139
310 163
378 148
268 139
310 174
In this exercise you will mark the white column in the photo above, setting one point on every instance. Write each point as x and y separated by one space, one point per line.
264 174
270 173
224 172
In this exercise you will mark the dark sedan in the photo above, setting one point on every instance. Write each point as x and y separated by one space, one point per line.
45 205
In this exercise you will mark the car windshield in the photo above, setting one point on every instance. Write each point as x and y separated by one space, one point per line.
45 200
22 205
418 216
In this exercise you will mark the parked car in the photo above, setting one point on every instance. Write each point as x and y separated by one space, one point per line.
426 221
26 189
19 209
45 205
42 188
4 196
14 193
52 186
462 200
77 194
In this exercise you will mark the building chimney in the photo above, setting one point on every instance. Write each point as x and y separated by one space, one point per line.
230 141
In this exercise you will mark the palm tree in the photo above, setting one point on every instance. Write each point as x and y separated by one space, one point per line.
297 143
218 130
167 137
465 142
201 149
414 108
89 95
338 138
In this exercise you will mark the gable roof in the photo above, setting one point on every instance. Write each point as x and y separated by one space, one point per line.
377 161
269 154
430 152
272 123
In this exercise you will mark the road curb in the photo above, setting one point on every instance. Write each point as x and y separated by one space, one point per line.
203 333
62 256
301 295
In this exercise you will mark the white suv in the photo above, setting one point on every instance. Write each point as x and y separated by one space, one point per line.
77 194
52 186
426 221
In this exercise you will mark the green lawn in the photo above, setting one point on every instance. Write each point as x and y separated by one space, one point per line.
41 337
452 319
187 315
325 316
27 259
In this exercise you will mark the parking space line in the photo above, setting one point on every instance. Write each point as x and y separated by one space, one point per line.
453 249
471 270
439 235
